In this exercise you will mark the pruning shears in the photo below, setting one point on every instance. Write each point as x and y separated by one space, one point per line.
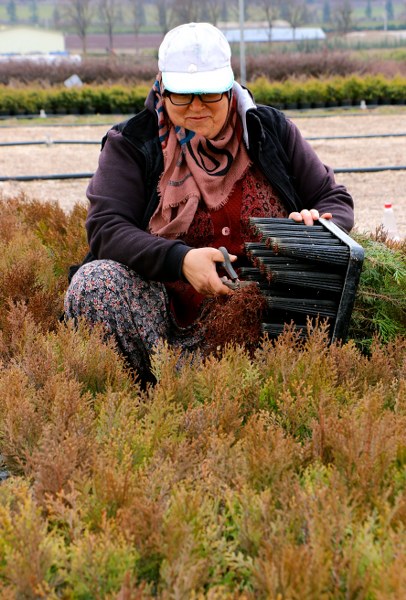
233 282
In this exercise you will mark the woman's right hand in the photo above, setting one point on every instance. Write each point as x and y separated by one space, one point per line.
199 268
308 216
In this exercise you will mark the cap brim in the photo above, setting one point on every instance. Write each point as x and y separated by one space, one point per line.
203 82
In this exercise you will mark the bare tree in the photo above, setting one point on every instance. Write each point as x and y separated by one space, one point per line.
389 10
272 10
79 14
12 11
343 16
164 15
368 10
33 11
138 14
186 11
56 18
110 11
212 10
402 15
326 11
296 13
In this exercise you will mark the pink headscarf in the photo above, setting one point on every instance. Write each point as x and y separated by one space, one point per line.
195 169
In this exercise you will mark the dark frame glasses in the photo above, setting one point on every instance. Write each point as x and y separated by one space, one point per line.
185 99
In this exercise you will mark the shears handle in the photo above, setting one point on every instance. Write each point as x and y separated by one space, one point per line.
227 264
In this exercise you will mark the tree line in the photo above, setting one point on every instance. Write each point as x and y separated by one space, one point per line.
109 16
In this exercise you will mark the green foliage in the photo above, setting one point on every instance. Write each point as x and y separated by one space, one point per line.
129 99
380 307
87 99
32 558
331 90
98 563
278 474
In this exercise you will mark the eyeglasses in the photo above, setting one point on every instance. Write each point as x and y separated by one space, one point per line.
185 99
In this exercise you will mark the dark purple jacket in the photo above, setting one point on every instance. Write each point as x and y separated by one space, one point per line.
123 191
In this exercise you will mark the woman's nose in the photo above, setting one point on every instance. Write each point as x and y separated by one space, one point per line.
196 103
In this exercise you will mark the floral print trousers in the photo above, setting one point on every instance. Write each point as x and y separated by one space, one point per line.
133 310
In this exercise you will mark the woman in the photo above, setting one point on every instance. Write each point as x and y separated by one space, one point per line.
181 179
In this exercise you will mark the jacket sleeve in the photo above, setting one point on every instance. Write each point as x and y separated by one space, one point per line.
315 182
117 204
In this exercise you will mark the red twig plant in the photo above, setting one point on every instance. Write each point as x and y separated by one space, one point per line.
233 319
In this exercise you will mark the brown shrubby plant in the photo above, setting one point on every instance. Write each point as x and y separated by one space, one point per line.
274 472
20 424
60 232
276 66
38 242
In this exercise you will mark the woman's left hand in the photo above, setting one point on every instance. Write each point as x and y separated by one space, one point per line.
199 268
308 217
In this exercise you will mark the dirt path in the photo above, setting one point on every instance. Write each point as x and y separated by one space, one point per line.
370 190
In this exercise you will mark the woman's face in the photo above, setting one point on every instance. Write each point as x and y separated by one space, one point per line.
206 119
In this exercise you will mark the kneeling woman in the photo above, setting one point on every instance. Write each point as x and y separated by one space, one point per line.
179 180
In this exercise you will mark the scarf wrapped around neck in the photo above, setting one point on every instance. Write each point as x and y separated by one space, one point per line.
195 169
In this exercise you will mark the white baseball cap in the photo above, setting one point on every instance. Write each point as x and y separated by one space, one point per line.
195 58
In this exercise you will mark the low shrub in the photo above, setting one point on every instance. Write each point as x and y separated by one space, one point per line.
396 89
131 99
330 91
84 100
271 64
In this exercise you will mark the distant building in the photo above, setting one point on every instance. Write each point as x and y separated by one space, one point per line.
276 34
30 40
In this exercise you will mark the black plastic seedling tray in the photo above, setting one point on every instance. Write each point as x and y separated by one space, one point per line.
304 272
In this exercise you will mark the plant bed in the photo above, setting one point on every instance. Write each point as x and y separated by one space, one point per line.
234 476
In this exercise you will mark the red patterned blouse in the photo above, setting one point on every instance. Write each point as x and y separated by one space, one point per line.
252 196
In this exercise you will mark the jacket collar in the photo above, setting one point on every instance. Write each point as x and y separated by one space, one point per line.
245 103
